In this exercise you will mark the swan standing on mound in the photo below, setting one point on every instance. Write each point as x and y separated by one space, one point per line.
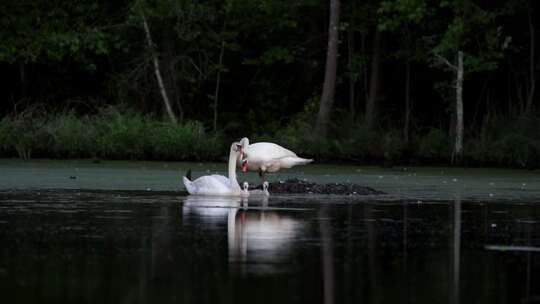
267 157
218 184
263 192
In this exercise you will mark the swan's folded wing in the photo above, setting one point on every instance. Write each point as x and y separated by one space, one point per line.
211 185
222 179
266 151
273 165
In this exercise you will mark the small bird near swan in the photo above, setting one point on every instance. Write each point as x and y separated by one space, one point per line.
216 184
256 192
267 157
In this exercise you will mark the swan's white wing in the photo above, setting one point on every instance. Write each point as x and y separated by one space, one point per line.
209 185
266 151
222 179
291 161
259 154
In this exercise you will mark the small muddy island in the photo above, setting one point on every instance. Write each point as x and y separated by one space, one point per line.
298 186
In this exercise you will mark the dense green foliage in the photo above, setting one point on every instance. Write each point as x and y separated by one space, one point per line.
116 133
80 80
109 134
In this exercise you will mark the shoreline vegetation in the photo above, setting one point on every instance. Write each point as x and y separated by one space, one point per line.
119 133
385 83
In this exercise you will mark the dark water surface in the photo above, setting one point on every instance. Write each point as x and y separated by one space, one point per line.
440 235
71 246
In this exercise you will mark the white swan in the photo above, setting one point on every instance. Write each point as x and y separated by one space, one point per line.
218 184
257 192
267 157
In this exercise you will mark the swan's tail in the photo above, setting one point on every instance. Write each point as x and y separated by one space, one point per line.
289 162
187 181
303 161
187 184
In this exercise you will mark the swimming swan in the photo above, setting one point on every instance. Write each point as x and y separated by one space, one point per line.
218 184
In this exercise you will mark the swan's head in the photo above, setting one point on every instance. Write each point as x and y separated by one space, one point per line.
245 190
244 142
265 186
236 147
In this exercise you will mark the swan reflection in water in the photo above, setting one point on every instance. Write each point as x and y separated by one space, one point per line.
259 238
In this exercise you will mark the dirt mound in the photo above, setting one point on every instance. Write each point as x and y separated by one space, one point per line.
296 185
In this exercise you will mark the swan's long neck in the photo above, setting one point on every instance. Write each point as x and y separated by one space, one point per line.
232 171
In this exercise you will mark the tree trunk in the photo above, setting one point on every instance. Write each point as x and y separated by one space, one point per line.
216 93
352 79
532 67
509 98
22 75
484 95
327 97
407 101
166 101
458 147
364 67
170 76
374 82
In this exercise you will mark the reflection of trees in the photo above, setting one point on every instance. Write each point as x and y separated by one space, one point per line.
443 255
327 251
372 258
456 249
377 252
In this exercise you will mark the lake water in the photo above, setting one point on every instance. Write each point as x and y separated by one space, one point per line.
123 232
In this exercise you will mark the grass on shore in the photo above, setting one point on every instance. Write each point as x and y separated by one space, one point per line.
110 134
116 133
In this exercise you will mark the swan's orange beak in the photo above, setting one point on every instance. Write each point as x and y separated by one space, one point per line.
244 166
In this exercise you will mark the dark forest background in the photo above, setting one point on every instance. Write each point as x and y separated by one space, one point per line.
92 79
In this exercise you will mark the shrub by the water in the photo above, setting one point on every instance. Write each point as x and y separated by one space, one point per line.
24 134
435 145
502 142
121 135
109 134
507 142
118 133
70 136
186 141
